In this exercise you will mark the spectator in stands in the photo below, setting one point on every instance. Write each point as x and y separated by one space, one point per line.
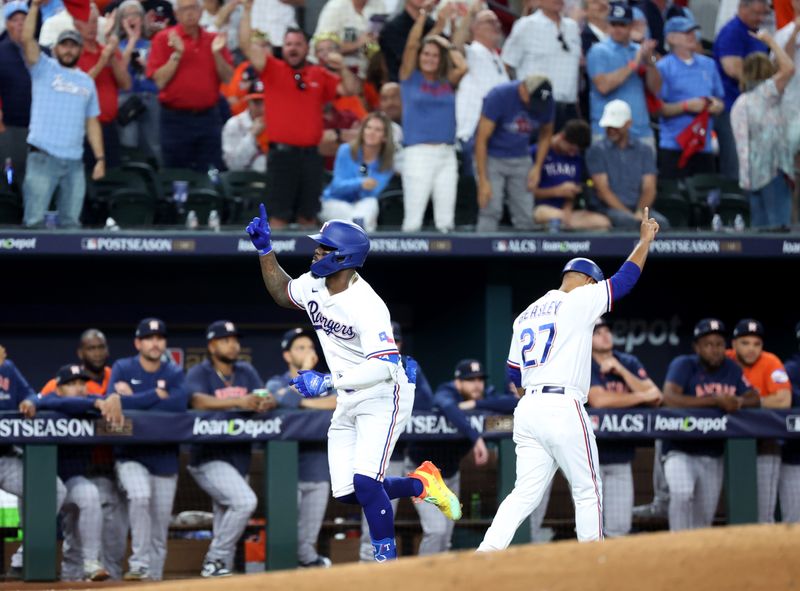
467 391
787 38
220 16
222 382
512 113
295 93
64 110
15 91
138 128
394 35
244 136
690 85
429 74
619 380
623 170
561 181
148 474
274 18
485 71
314 486
759 127
350 20
595 29
549 45
105 66
93 356
82 512
706 379
657 13
789 481
614 68
392 104
363 168
158 14
188 64
767 375
733 44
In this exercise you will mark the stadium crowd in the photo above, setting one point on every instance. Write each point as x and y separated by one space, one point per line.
106 493
573 116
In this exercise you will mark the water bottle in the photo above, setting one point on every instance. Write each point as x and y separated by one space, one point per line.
738 223
191 220
716 223
475 506
213 175
9 169
111 225
554 225
213 220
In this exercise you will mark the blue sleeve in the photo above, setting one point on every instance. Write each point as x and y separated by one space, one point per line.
423 394
595 160
622 281
664 94
492 106
728 45
286 396
196 382
514 375
254 380
678 372
633 365
22 389
346 183
140 400
72 405
717 89
178 399
550 116
648 158
444 400
596 61
382 177
742 385
498 403
597 379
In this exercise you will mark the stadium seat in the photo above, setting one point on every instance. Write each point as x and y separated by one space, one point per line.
147 174
700 185
136 155
466 202
670 187
675 208
731 205
132 207
202 202
244 190
390 214
10 208
95 208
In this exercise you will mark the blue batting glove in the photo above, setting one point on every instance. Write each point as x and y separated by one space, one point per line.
411 370
260 233
312 384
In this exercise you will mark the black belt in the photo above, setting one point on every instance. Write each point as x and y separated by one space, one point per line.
553 390
278 147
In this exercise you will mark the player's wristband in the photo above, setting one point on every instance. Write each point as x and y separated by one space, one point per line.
264 251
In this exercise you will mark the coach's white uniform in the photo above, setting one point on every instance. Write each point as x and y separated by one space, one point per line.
354 326
552 346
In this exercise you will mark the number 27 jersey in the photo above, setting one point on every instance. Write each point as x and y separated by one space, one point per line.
552 341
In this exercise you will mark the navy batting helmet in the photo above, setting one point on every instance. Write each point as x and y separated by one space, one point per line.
350 244
585 266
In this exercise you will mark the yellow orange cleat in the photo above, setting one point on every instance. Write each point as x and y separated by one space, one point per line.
435 491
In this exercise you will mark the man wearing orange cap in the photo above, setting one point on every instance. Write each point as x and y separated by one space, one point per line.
244 137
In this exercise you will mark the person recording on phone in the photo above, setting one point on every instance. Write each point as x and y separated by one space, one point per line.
352 21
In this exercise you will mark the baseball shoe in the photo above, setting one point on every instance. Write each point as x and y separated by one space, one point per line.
435 491
136 574
94 571
214 568
650 511
14 573
320 562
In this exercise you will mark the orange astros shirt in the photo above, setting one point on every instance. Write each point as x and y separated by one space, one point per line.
92 387
767 375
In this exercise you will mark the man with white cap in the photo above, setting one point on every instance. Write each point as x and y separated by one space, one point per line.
623 170
15 90
244 138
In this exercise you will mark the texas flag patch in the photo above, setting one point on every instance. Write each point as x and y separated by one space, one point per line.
385 337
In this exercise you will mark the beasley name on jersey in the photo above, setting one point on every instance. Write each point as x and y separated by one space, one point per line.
552 341
352 326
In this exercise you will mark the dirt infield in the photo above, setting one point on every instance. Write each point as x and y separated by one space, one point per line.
733 558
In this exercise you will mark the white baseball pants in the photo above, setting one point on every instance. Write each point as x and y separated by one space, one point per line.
429 170
694 486
337 209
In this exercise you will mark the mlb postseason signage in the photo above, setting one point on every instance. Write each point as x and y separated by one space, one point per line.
390 244
149 427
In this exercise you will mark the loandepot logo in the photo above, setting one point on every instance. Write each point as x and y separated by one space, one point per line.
17 243
235 427
691 424
46 428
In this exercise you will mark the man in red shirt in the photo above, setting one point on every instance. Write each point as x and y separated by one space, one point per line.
188 64
295 93
104 65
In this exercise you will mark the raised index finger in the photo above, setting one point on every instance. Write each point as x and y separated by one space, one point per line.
263 211
646 213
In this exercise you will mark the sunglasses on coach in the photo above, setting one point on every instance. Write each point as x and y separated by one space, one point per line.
299 82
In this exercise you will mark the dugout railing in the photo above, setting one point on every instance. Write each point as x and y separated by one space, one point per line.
280 432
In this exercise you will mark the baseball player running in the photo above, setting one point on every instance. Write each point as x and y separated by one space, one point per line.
552 348
221 382
375 396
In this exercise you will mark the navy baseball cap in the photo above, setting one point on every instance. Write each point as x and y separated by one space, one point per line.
708 326
468 369
221 329
69 373
680 24
150 326
620 12
602 321
747 327
290 335
13 7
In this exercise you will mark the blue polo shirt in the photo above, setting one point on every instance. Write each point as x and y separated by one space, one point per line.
625 168
687 372
514 124
15 85
429 111
63 99
617 452
557 169
679 82
605 57
734 40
